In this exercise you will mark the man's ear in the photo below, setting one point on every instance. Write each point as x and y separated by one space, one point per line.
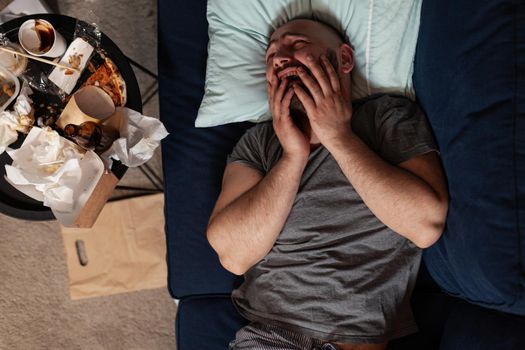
347 58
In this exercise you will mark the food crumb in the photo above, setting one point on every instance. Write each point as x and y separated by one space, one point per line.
74 61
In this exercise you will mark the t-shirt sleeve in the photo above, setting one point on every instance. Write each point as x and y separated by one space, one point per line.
250 149
403 131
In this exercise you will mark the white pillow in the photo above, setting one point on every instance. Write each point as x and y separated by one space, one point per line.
382 32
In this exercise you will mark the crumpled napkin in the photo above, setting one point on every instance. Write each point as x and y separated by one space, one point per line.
19 119
47 168
8 134
24 104
139 137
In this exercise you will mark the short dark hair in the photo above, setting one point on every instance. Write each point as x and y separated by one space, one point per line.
330 26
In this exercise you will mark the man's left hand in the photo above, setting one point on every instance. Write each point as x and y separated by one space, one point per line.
328 110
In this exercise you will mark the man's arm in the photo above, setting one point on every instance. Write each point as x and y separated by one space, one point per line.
410 198
251 212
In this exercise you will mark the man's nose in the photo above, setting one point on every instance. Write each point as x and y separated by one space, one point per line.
281 60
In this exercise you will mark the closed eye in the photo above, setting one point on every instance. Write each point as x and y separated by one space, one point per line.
300 44
297 44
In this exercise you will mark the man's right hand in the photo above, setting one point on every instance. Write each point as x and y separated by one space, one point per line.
294 142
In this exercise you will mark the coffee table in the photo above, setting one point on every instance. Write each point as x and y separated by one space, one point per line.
13 202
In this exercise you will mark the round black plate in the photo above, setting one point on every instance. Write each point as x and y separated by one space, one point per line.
15 203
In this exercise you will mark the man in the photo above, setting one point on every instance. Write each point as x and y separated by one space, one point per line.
325 209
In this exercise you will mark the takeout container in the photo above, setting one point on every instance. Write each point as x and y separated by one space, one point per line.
39 38
96 184
93 187
7 77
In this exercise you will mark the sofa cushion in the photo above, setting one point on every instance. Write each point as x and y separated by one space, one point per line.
207 323
193 164
469 73
193 159
471 327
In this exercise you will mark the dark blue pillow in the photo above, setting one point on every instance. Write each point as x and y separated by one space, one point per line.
469 77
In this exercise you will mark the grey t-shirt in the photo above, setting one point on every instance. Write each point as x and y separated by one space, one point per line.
336 272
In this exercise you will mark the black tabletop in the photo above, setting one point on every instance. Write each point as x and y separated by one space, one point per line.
15 203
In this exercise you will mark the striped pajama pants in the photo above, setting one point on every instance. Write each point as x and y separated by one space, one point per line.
257 336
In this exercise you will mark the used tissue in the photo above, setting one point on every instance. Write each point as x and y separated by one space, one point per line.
20 119
51 169
139 137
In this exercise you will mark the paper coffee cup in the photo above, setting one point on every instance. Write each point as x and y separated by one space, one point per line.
90 103
39 38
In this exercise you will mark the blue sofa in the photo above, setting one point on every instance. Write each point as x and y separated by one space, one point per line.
469 78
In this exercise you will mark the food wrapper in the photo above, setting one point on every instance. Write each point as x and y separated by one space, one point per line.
87 38
76 56
19 119
139 137
89 31
51 169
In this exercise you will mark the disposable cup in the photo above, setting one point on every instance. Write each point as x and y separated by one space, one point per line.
39 38
90 103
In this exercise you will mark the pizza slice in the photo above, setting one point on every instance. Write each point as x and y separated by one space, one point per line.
108 78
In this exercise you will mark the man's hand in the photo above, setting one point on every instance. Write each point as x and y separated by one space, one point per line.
293 141
328 110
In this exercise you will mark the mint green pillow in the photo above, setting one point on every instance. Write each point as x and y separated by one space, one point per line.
382 32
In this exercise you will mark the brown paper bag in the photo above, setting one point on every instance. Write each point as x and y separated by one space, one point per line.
125 250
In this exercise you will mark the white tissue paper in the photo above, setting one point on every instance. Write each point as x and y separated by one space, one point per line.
76 56
20 119
52 169
8 134
24 104
139 137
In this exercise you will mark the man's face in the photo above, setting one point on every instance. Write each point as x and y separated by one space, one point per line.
289 47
